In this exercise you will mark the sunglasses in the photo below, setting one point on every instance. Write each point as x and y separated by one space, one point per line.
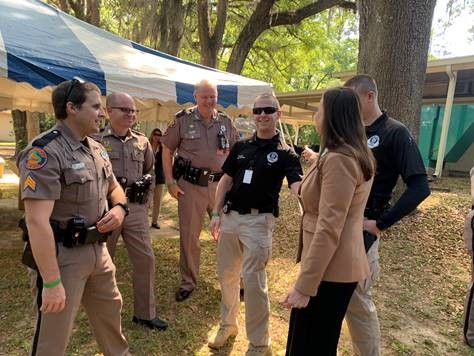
268 110
126 110
76 81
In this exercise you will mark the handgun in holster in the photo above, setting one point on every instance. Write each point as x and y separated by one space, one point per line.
180 166
27 258
139 190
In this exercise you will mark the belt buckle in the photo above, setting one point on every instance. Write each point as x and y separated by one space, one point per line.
210 178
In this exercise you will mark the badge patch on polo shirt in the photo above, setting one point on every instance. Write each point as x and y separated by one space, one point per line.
373 141
37 158
29 183
104 154
272 157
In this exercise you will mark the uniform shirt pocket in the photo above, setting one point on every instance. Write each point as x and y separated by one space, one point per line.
113 155
79 185
191 140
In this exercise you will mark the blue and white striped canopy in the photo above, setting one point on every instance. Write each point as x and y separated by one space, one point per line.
43 46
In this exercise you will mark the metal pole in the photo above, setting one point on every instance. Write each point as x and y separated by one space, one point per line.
446 120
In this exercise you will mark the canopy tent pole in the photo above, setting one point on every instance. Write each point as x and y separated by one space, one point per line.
446 120
297 131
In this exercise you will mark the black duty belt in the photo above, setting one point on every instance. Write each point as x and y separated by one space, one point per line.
84 236
252 211
201 176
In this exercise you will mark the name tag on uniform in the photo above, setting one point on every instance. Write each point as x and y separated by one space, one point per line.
248 176
78 165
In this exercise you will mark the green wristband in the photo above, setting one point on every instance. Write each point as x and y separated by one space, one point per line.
215 214
173 182
52 284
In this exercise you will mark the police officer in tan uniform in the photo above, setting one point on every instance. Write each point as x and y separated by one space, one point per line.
132 157
65 180
202 137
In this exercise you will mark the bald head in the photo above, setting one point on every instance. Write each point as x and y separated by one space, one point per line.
115 98
121 110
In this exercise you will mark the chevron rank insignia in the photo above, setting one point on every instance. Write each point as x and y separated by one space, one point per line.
29 183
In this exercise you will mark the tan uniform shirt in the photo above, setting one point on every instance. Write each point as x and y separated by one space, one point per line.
131 158
196 141
75 176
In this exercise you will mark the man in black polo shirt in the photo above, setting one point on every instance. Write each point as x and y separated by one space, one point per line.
397 154
247 195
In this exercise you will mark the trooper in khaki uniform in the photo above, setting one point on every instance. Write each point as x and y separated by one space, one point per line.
202 138
65 180
132 157
247 204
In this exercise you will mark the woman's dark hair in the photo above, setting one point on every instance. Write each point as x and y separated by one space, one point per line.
156 130
342 127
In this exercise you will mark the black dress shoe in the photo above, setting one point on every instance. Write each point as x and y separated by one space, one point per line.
156 323
182 295
156 226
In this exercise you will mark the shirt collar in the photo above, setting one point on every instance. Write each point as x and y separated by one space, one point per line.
68 135
109 131
377 123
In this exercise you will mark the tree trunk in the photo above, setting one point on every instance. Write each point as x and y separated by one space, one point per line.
19 127
171 26
393 49
211 40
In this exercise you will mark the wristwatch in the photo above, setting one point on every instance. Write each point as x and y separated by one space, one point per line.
125 207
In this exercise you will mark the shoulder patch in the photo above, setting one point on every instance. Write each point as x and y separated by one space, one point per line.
171 124
36 159
44 140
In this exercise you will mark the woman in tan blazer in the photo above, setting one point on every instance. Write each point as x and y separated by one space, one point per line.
333 194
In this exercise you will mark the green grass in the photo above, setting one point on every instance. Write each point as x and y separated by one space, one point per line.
419 295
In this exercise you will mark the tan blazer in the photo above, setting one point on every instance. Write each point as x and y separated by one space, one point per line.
331 248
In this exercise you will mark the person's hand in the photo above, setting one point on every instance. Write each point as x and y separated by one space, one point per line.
174 190
215 227
111 220
371 226
309 155
53 299
295 299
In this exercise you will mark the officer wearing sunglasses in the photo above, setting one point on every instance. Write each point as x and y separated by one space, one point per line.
243 220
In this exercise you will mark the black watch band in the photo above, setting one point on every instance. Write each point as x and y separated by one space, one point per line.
125 207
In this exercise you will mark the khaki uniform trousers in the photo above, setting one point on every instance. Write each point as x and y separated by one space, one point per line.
192 207
88 277
244 248
135 232
361 315
157 199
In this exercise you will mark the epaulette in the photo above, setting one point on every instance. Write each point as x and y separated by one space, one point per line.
138 133
221 113
46 139
183 112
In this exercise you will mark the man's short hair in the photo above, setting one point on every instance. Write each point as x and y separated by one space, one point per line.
204 83
74 91
269 96
362 83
